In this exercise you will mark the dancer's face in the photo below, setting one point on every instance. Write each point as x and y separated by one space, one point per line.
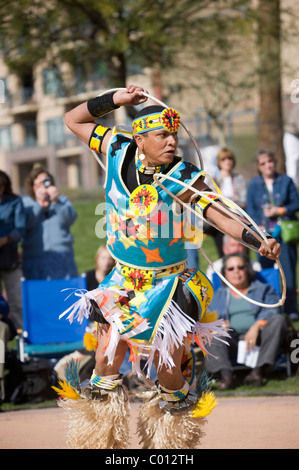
158 146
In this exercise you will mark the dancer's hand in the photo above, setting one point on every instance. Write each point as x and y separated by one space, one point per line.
275 249
131 96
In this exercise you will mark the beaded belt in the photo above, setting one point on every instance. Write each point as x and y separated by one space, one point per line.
159 273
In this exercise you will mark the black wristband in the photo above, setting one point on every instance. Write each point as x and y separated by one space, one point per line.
101 105
247 237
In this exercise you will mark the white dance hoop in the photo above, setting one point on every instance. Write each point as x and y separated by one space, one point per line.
260 235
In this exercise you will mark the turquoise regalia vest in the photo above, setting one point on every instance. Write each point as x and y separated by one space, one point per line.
144 236
144 228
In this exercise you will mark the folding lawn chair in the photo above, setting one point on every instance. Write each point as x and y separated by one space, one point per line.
44 334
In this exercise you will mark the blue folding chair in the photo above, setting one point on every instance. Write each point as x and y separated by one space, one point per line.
44 334
270 276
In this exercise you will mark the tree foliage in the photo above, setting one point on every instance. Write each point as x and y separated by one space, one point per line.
113 31
226 48
270 130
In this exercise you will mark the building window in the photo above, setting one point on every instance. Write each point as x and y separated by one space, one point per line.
80 79
30 134
5 138
52 82
55 131
3 90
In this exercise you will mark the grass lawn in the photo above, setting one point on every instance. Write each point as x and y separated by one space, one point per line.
83 230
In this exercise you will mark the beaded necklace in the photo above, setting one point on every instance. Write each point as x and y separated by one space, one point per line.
147 170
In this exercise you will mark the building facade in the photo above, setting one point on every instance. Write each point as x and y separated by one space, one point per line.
32 128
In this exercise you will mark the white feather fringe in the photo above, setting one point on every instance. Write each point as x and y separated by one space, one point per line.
171 331
206 332
81 309
171 334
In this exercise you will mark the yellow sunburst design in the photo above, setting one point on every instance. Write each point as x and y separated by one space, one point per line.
143 199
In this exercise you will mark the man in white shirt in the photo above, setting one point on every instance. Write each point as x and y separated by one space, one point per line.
230 246
291 144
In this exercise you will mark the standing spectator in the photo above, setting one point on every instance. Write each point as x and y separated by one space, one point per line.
232 185
272 196
48 244
12 229
255 325
291 145
103 265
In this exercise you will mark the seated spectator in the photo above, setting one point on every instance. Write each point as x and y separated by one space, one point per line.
48 243
103 265
230 246
256 325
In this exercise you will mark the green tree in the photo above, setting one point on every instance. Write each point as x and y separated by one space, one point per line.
270 128
223 72
242 56
216 43
113 31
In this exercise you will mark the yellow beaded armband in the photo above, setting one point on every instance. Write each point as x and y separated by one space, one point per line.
203 202
97 137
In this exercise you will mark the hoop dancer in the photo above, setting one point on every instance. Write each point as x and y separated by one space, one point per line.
150 303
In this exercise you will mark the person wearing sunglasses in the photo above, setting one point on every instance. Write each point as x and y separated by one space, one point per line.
257 326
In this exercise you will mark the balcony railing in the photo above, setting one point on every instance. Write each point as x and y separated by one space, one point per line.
24 96
26 135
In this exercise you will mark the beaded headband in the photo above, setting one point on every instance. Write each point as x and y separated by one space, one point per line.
168 119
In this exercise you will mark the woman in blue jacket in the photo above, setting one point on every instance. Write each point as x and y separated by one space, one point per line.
272 196
48 243
254 324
